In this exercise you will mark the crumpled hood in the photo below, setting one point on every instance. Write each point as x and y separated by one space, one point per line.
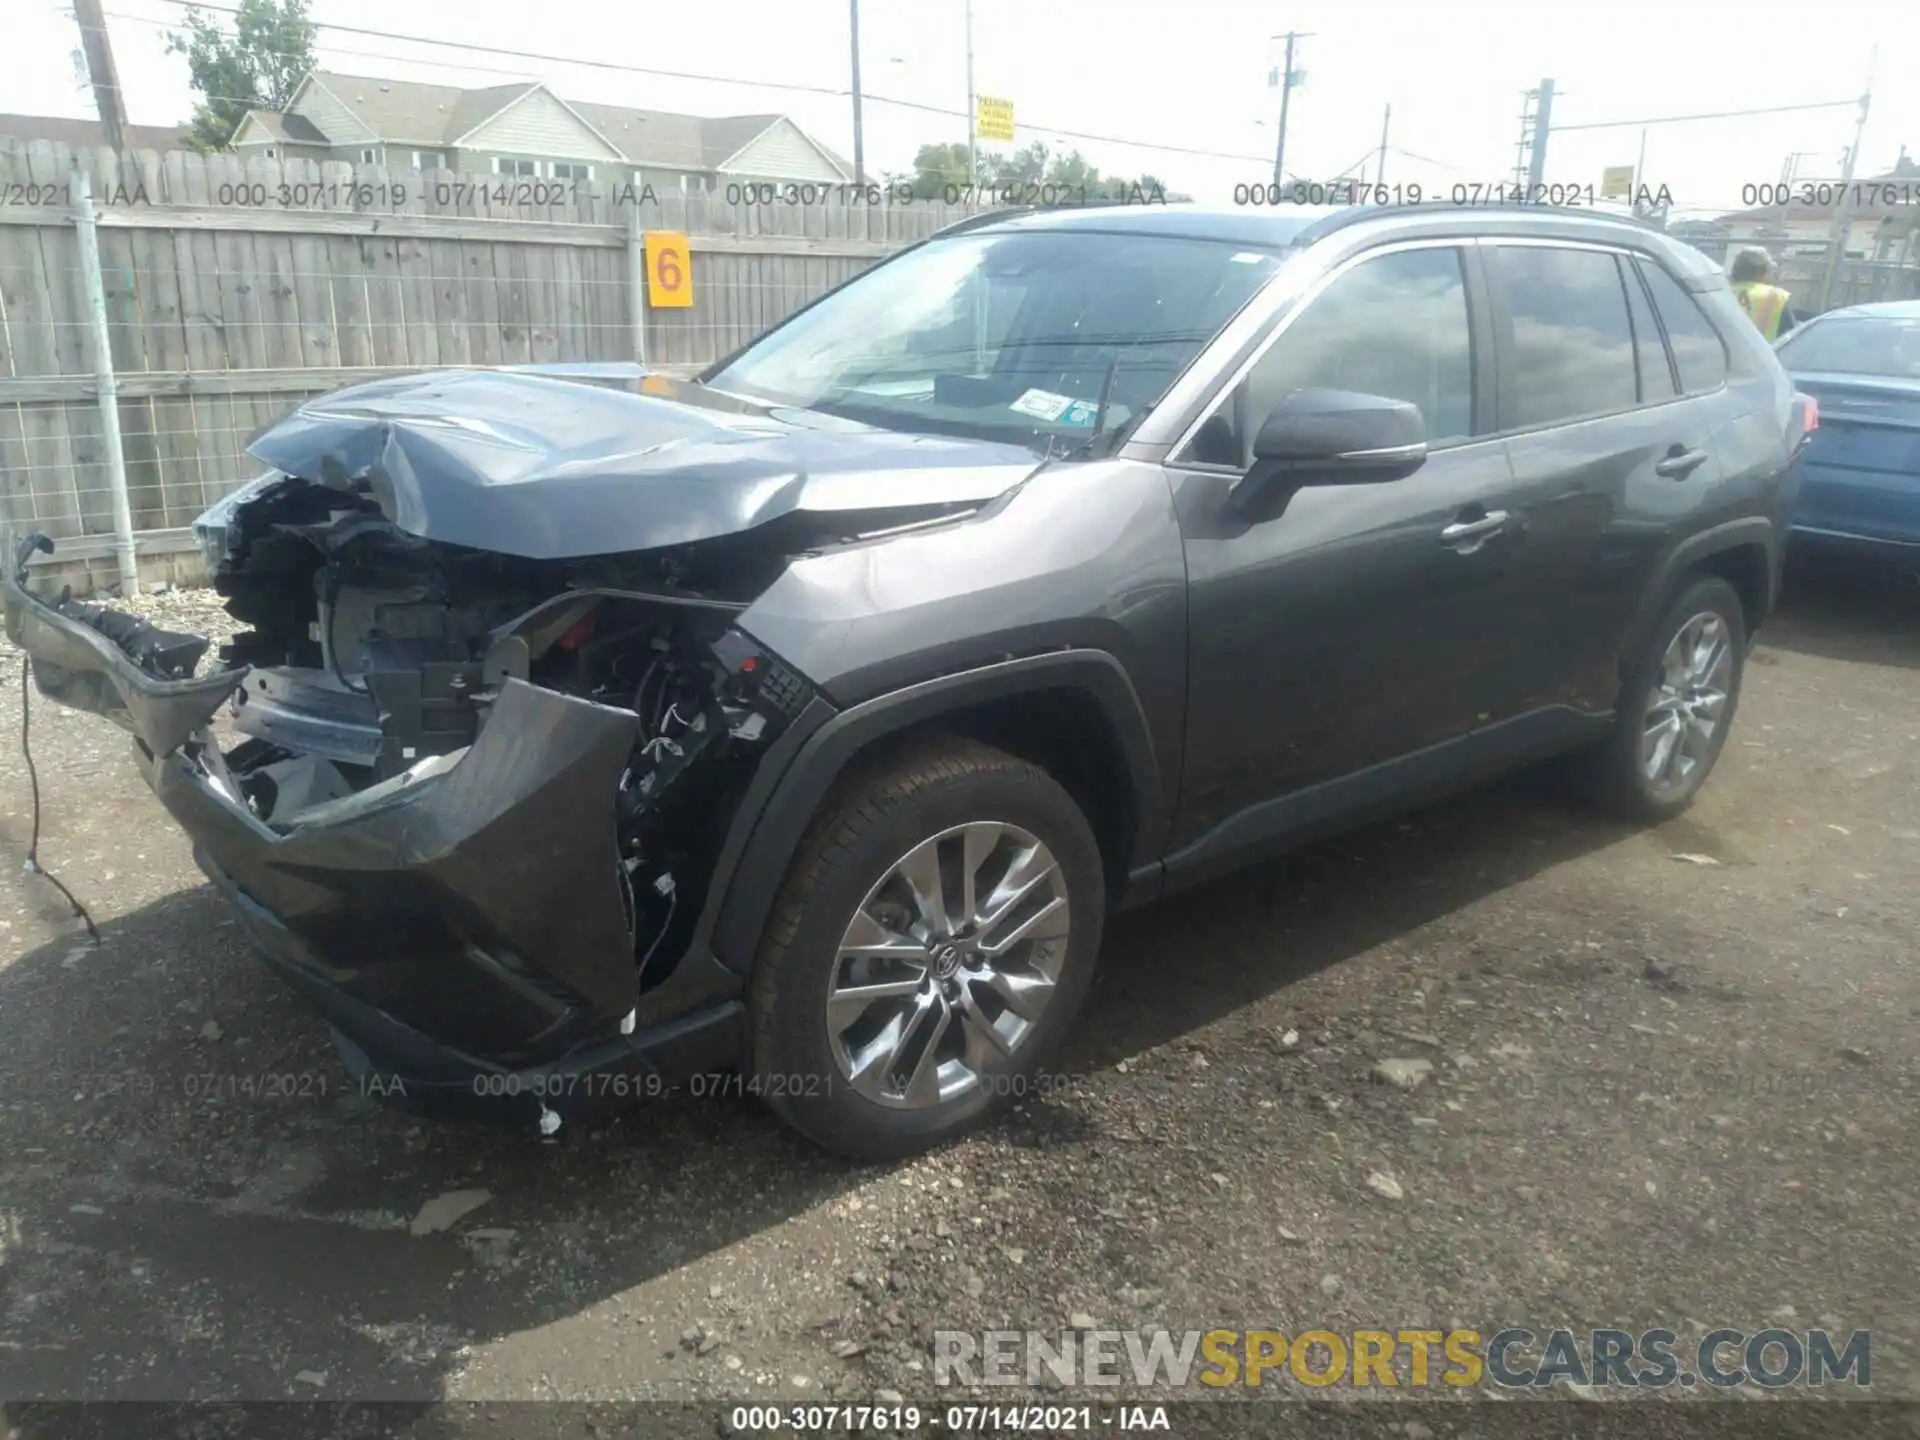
609 460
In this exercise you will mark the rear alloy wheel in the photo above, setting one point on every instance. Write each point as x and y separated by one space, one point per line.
1676 706
1686 706
933 940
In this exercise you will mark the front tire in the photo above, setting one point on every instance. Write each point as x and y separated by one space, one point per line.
1676 706
932 943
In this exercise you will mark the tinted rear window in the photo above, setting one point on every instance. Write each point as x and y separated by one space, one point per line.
1696 344
1856 345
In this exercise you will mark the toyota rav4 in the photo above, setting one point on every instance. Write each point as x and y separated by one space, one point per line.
809 718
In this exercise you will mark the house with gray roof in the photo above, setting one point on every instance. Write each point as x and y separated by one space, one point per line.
524 129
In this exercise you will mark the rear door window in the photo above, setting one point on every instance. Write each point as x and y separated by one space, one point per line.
1697 348
1571 350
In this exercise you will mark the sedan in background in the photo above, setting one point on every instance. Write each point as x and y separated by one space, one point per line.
1861 468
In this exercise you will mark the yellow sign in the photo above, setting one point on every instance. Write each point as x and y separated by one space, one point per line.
1616 182
669 270
994 120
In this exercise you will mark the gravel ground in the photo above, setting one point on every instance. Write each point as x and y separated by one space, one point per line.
1671 1082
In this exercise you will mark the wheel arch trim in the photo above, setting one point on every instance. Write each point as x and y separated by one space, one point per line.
747 896
1750 531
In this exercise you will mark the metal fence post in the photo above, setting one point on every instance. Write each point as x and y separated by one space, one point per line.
86 224
637 281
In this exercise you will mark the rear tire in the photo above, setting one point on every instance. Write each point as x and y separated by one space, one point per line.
1676 706
883 868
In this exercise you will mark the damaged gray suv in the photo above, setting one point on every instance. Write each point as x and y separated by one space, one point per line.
807 720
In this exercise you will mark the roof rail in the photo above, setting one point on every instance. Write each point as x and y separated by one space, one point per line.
1353 214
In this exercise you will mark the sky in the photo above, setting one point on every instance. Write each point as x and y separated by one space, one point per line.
1145 83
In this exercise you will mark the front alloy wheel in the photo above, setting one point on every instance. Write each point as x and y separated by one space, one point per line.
948 964
932 941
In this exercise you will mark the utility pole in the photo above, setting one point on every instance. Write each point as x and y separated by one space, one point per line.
1843 211
859 138
102 71
1639 173
1286 92
106 388
973 162
1380 166
1542 120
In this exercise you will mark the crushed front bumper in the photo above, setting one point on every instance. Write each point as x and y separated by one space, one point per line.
398 1063
463 926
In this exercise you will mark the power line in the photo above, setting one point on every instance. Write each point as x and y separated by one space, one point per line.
615 65
692 151
624 68
1429 160
1558 128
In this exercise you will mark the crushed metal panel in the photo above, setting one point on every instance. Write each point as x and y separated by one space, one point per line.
548 468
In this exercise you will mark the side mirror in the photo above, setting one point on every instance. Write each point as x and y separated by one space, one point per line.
1332 437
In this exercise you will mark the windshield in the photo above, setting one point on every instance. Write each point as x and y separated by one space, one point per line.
1856 345
1010 336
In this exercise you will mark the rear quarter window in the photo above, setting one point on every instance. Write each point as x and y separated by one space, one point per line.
1649 348
1698 351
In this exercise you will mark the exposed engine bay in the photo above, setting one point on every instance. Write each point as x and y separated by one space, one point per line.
375 658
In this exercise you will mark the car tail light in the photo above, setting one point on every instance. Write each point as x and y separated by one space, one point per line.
1811 413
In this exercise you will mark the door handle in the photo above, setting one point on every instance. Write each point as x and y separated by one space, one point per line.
1679 463
1468 534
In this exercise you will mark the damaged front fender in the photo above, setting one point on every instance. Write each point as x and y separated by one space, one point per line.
77 663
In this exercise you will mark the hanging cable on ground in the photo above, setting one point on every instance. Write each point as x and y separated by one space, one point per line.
32 865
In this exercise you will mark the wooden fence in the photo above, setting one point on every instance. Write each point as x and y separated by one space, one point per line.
235 289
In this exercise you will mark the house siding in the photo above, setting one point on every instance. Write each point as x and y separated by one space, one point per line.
669 182
253 138
481 162
539 126
283 151
783 153
336 122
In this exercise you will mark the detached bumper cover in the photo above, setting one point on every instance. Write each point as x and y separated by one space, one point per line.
474 903
80 667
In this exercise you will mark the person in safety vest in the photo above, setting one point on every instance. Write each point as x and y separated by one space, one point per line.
1766 305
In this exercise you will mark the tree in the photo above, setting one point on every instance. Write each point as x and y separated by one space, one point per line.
258 66
1025 166
935 167
1067 175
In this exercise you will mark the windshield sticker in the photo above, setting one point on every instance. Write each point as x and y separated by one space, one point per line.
1079 413
1250 257
1042 404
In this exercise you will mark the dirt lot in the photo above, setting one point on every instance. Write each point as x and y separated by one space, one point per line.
1665 1091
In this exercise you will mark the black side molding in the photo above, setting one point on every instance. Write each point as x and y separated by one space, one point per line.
1287 822
776 831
